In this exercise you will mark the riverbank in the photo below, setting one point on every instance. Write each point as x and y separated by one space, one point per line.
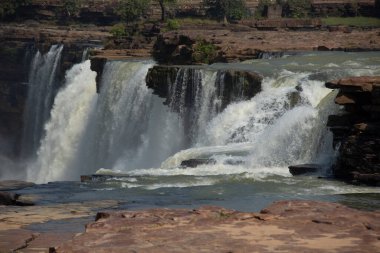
286 226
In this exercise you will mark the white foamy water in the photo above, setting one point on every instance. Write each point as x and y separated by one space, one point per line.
42 89
69 116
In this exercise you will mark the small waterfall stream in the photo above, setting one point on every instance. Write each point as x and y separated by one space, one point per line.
42 90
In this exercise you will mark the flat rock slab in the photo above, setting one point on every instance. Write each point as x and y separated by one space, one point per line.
10 185
15 232
286 226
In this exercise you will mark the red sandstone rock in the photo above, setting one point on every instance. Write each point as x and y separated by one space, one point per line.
362 83
286 226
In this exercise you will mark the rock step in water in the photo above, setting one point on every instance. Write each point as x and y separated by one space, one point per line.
302 169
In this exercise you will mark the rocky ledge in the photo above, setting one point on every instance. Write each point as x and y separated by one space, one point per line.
232 85
357 130
234 43
286 226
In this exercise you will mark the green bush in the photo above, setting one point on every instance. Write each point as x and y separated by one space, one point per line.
132 10
10 7
297 8
204 52
118 31
172 24
72 7
261 8
226 9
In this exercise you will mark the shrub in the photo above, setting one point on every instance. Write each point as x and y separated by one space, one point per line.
297 8
118 31
226 9
172 24
132 10
10 7
261 7
204 52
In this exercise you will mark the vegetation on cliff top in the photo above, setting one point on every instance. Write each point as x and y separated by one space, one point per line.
9 7
352 21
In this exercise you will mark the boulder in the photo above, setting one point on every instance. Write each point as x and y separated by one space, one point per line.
302 169
192 163
8 199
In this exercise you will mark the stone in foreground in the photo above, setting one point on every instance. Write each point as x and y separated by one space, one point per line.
286 226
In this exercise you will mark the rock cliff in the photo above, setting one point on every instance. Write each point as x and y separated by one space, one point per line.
357 130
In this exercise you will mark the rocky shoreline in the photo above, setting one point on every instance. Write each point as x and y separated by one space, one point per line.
286 226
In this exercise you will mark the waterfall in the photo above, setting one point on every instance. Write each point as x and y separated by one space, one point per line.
42 89
69 117
126 128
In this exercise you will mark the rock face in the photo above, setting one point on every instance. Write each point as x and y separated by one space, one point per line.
287 226
357 130
232 85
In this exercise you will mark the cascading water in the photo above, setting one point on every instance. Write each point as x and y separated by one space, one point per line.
280 126
69 117
129 130
42 89
138 139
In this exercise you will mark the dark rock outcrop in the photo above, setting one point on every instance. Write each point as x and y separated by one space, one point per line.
357 130
296 170
286 226
232 85
13 199
175 49
192 163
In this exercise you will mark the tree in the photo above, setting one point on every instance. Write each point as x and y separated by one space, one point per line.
163 4
226 9
9 7
297 8
131 10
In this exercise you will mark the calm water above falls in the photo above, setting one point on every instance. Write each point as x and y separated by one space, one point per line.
129 133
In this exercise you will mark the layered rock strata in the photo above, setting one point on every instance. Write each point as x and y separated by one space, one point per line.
357 130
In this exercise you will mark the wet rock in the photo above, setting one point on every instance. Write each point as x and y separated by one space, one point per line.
296 170
292 226
192 163
160 78
14 199
7 198
231 85
97 65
